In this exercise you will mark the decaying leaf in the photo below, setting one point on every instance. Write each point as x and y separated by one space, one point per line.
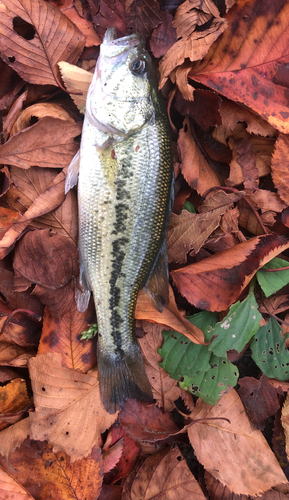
9 488
248 62
216 282
77 81
244 462
35 463
68 408
34 37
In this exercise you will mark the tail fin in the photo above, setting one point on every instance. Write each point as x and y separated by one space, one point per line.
122 377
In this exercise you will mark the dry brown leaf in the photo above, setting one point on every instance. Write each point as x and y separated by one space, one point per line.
232 113
47 201
243 460
267 200
48 143
170 317
192 47
280 167
45 258
164 36
13 115
262 149
13 397
247 162
76 80
194 167
248 219
36 183
165 389
193 13
11 438
218 491
165 475
11 489
62 335
50 38
14 355
84 25
39 111
68 409
189 231
285 422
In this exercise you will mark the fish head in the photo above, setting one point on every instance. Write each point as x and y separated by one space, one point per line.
119 100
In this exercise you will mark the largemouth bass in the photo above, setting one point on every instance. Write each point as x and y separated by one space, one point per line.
125 192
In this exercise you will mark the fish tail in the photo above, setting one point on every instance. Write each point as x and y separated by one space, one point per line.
122 377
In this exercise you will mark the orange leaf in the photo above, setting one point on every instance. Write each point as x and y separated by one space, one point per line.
194 167
46 474
10 489
216 282
62 335
170 317
50 37
280 167
249 62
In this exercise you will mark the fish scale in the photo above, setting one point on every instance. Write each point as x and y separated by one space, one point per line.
124 199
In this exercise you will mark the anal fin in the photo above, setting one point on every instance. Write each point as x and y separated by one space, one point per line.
157 285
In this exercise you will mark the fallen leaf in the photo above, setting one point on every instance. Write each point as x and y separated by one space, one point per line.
279 170
9 488
285 422
68 408
50 37
165 475
216 282
110 492
170 317
84 25
244 461
194 167
144 422
219 491
45 258
40 110
14 355
259 398
48 143
13 437
14 401
62 335
248 62
266 200
204 109
45 201
232 113
45 474
165 389
247 161
130 453
111 457
164 36
77 81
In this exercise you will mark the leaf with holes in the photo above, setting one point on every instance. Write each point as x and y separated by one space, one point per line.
205 375
237 328
269 352
272 282
34 37
209 384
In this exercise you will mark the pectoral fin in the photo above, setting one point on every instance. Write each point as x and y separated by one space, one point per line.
82 294
72 174
157 286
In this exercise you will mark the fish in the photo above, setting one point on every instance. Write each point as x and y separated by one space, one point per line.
125 195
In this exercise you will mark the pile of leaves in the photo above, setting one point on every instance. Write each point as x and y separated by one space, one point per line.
217 356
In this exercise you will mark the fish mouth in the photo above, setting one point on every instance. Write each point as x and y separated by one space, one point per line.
124 43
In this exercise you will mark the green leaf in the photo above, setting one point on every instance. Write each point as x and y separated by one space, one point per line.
91 332
269 352
210 383
189 207
237 328
203 373
272 282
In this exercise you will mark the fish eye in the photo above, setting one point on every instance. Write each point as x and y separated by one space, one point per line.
138 67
